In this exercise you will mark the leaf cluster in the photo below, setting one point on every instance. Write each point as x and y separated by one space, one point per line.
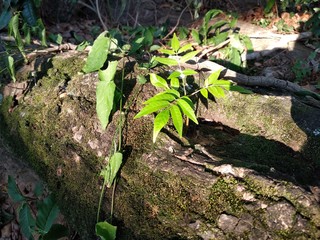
40 223
174 101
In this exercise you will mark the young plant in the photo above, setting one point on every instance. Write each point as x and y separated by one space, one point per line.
106 98
41 221
174 101
222 32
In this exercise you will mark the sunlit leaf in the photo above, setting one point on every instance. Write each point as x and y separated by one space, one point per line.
109 73
214 76
188 56
158 81
167 61
159 122
186 106
185 48
154 107
175 83
11 68
216 91
166 51
104 97
204 92
106 231
189 72
112 169
174 74
177 119
196 36
98 53
175 44
168 95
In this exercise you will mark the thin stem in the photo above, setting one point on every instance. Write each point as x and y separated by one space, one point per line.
112 199
100 199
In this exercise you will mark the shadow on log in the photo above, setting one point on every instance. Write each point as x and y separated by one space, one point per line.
247 171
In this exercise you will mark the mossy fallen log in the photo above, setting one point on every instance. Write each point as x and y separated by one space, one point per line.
244 174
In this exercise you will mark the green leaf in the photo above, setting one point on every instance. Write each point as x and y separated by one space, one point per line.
154 107
185 48
98 54
195 35
13 30
104 95
175 83
106 231
13 190
10 65
221 37
235 57
47 213
213 77
167 61
167 51
56 38
218 24
174 74
208 16
247 43
26 33
141 79
158 81
42 32
186 106
109 73
28 12
168 95
57 231
188 56
175 44
216 91
177 119
189 72
38 190
5 19
112 169
159 122
269 6
26 221
204 92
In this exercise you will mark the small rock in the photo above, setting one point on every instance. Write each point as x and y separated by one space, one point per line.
227 223
280 216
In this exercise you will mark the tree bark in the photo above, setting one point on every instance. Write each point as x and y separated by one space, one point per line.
249 170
